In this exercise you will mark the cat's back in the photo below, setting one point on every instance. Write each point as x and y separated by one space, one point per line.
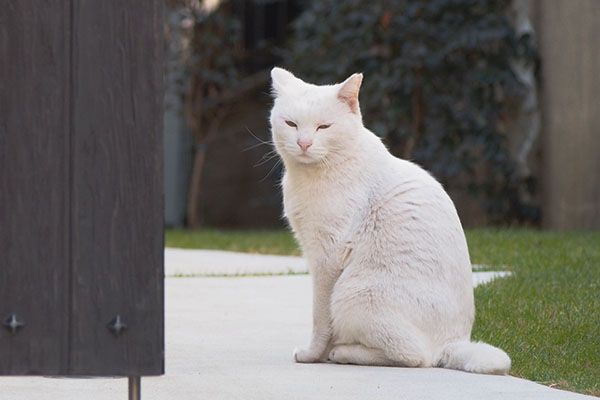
417 192
411 216
411 245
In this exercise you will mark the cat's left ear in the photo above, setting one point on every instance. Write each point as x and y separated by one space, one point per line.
348 92
282 80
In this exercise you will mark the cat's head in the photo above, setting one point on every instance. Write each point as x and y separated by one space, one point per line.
309 122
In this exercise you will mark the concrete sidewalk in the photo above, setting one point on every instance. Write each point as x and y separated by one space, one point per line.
232 338
183 262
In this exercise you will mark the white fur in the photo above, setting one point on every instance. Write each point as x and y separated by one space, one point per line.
388 257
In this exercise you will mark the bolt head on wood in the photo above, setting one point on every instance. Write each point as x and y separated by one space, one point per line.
117 326
13 324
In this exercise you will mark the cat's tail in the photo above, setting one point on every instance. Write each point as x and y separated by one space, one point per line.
477 357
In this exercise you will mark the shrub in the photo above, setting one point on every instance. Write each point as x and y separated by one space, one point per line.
438 83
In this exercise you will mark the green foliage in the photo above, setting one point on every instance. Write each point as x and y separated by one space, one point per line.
217 48
224 53
437 84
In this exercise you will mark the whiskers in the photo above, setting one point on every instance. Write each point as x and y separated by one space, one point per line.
260 141
333 157
325 163
267 157
273 168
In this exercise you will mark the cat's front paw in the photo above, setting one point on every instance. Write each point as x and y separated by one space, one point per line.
306 356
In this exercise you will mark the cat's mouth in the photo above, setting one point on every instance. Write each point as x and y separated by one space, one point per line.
306 158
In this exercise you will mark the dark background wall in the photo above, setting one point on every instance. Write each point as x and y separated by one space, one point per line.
241 180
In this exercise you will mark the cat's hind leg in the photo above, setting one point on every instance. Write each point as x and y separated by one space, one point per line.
359 355
383 341
400 342
368 313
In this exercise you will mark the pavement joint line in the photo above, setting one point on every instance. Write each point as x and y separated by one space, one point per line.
190 263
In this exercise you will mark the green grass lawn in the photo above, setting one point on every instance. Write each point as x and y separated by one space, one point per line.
546 316
249 241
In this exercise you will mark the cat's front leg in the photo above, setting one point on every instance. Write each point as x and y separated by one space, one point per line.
323 282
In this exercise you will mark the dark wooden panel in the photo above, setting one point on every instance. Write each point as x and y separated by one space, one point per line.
34 184
568 36
117 187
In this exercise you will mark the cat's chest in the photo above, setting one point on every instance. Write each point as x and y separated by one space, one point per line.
317 209
321 214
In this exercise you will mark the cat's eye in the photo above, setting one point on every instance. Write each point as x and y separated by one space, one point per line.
324 126
290 123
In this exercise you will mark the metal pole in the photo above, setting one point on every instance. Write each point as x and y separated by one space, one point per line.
135 387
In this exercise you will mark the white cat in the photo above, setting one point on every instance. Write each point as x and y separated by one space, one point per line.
388 257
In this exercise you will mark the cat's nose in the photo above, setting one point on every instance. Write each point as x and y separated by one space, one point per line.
304 144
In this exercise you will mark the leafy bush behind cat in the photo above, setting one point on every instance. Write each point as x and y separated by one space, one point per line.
438 82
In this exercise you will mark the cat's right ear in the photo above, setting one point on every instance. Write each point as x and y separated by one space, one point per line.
348 92
281 79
